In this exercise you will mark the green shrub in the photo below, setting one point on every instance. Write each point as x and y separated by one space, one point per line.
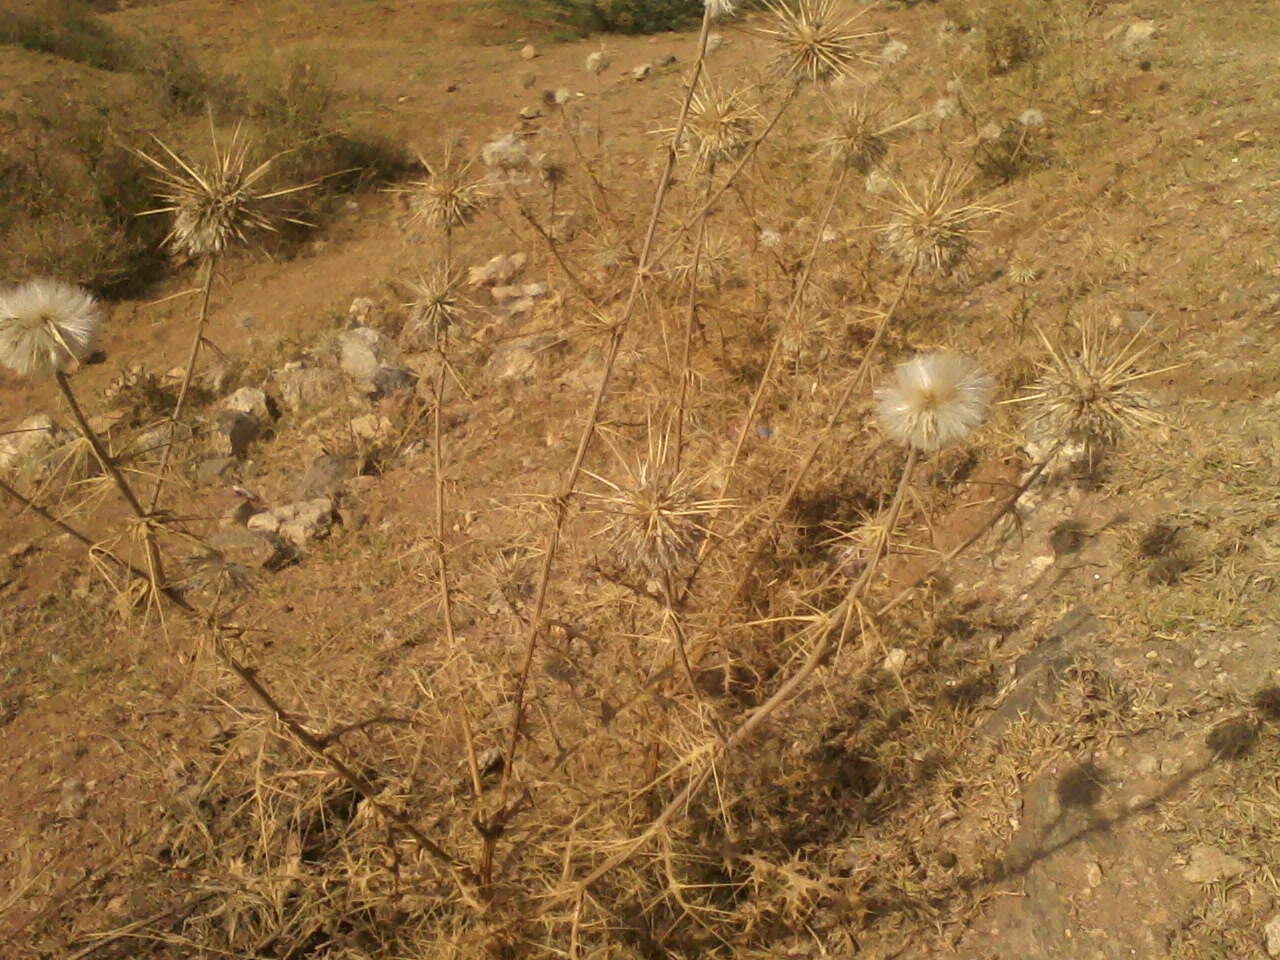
67 29
618 16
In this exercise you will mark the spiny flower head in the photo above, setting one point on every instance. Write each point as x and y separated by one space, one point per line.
931 226
814 44
936 399
214 205
657 516
718 9
1086 393
719 127
45 324
449 197
436 305
859 135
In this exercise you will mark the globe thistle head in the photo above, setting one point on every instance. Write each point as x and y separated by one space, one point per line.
814 43
1023 270
893 52
436 305
597 63
1086 392
656 516
720 126
935 400
931 226
215 205
551 172
1031 117
449 197
506 156
45 325
859 136
719 9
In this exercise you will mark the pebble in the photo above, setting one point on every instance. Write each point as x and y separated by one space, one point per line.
1209 864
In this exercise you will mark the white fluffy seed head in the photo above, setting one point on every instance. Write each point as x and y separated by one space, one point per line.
597 63
45 324
936 399
720 8
507 155
1031 117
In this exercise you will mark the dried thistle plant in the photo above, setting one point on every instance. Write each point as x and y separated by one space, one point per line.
449 196
436 305
217 205
935 400
814 43
720 126
859 136
720 9
656 513
1086 393
933 226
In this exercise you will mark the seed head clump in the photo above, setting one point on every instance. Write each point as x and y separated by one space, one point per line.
449 197
814 44
931 226
935 400
719 9
1086 393
217 205
436 305
657 517
597 63
506 155
45 325
719 127
858 137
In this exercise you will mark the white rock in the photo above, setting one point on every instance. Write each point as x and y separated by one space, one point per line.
528 52
264 522
371 426
25 451
500 270
364 352
1272 934
1209 864
895 660
306 388
361 311
250 400
1138 36
642 71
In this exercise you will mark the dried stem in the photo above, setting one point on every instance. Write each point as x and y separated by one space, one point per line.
837 411
197 339
109 466
561 502
690 322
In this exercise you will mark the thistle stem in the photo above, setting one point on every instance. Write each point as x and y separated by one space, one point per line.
561 501
193 355
113 471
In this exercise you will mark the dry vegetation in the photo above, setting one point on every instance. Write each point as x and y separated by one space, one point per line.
814 557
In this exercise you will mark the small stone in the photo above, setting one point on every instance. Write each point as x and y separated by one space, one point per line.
1272 934
215 471
233 432
895 660
325 476
499 270
668 60
1170 767
303 388
389 380
251 549
642 71
715 42
373 427
528 52
1209 864
252 401
26 450
1093 874
363 352
1147 765
528 81
361 312
264 522
1138 36
530 113
73 800
517 359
